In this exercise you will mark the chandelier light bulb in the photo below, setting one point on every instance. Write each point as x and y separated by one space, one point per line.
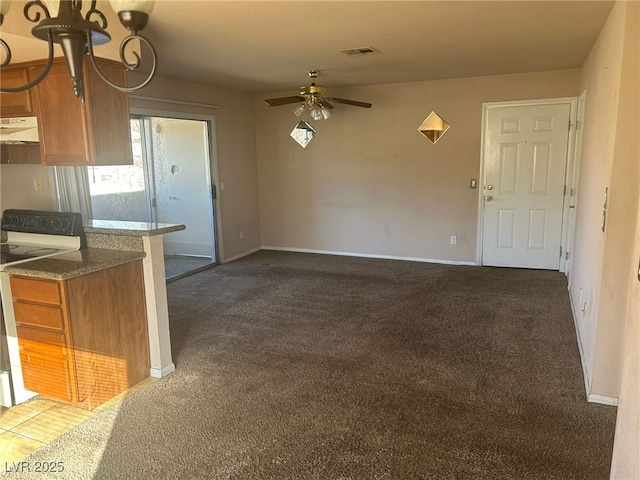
53 6
4 7
142 6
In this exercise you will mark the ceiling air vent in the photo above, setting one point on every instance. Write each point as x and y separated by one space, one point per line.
358 52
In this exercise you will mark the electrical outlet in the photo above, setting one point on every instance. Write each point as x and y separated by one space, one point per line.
241 234
453 239
37 184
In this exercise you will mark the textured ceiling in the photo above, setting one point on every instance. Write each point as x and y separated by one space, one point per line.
264 46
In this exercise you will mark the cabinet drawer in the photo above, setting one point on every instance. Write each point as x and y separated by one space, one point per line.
34 290
39 315
47 375
41 341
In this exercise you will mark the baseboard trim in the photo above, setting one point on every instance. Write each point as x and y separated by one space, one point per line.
585 371
163 372
367 255
603 399
244 254
591 397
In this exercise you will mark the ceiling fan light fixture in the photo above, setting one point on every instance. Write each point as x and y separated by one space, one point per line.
316 112
299 110
313 98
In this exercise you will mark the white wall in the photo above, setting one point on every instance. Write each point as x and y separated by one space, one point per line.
597 281
17 187
626 179
370 183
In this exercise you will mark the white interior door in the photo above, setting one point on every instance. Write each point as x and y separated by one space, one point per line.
525 155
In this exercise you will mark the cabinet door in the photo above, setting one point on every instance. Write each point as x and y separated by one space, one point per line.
19 154
47 375
15 104
46 365
107 115
97 133
61 122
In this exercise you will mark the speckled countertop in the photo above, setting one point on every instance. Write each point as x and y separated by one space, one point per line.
131 229
73 264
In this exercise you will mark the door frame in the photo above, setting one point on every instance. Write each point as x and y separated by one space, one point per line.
573 192
568 179
214 176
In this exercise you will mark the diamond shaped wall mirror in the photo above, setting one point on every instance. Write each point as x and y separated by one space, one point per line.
433 127
303 133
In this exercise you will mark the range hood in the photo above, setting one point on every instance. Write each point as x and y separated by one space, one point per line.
19 130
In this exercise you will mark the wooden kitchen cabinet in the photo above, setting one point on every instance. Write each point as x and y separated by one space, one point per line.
97 133
83 340
71 134
19 154
17 104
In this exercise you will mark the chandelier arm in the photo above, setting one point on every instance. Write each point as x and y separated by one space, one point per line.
7 53
35 3
94 11
40 77
130 66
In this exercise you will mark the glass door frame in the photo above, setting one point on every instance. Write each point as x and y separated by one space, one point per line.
212 172
148 171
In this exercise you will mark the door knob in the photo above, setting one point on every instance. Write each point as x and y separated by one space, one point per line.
489 198
489 187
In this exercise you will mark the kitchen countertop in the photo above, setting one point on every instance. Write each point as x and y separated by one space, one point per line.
131 229
74 264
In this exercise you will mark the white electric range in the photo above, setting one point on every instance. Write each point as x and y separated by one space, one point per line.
31 235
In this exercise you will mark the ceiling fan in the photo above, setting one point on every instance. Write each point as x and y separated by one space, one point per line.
314 99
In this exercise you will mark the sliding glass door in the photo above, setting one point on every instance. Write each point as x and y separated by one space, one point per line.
169 182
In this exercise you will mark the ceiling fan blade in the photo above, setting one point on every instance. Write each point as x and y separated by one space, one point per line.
274 102
351 102
325 104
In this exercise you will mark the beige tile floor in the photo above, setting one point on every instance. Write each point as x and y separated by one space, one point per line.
31 425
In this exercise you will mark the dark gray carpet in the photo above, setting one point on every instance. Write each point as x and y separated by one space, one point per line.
299 366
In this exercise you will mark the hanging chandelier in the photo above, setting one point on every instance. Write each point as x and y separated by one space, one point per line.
77 35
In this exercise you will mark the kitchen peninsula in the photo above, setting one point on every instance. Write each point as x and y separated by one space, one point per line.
148 237
101 312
